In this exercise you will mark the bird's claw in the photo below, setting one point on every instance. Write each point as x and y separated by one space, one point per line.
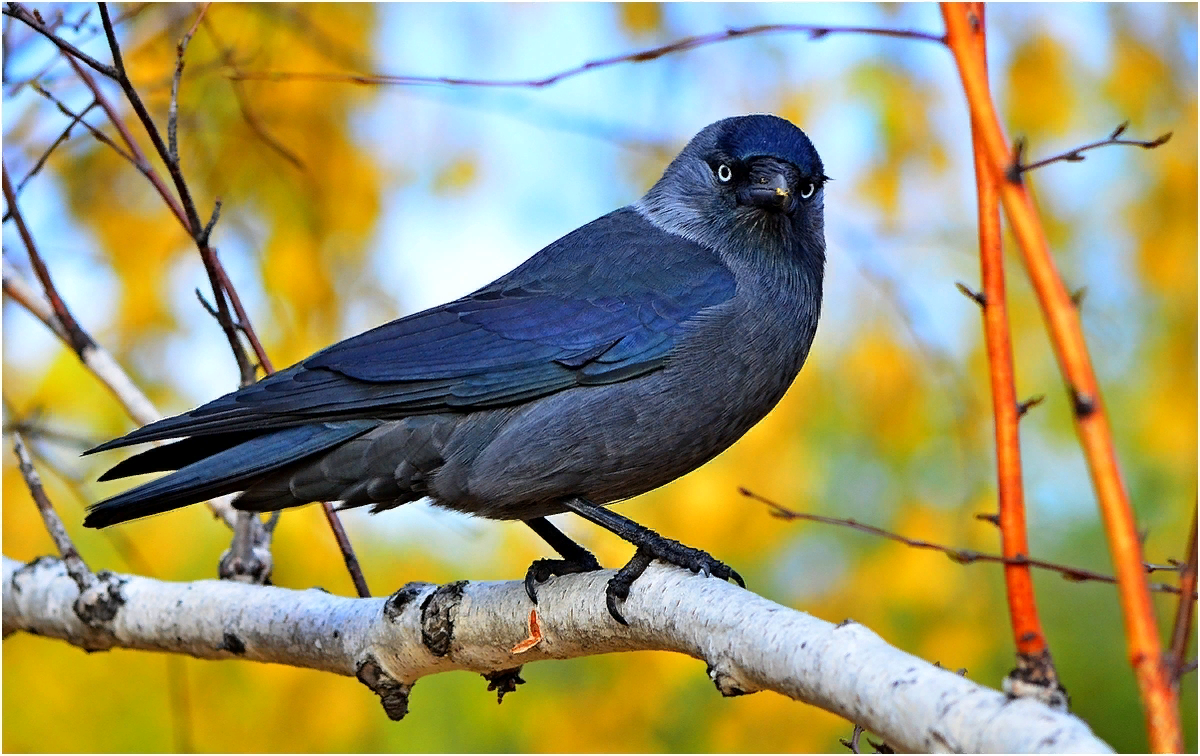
671 552
544 569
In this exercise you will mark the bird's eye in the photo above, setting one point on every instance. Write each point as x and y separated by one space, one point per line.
724 173
808 191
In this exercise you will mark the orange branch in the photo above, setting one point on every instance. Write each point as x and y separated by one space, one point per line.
1091 423
1018 579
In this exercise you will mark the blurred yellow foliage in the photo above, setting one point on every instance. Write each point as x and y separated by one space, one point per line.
456 176
1039 98
902 104
1139 77
640 19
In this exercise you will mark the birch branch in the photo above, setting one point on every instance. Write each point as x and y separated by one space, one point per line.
749 643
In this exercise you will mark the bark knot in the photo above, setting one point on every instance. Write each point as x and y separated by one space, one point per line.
100 602
392 693
503 681
399 601
438 614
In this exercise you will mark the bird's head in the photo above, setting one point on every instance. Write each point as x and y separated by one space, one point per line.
753 179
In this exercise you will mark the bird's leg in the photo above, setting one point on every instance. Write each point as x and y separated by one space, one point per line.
650 546
575 558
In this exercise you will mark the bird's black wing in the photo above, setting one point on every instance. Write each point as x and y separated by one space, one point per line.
605 303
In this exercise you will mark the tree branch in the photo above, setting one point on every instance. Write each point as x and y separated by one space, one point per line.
76 337
961 556
748 642
72 562
1181 633
1076 155
640 56
19 12
1035 673
63 136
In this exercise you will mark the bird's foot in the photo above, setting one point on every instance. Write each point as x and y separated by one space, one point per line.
544 569
653 546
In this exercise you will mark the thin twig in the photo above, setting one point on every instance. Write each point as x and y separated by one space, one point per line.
76 337
133 12
961 556
193 224
102 365
207 232
1076 155
173 109
62 137
137 156
34 431
19 12
121 543
99 135
183 209
76 568
1181 633
1025 405
95 358
640 56
852 743
348 555
218 278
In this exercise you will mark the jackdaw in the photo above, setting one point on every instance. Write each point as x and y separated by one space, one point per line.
620 357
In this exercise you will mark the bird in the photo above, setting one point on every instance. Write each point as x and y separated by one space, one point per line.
620 357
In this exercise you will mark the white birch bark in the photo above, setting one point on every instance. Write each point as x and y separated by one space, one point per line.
749 643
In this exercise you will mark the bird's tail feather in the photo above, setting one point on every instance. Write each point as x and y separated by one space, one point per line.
225 471
177 455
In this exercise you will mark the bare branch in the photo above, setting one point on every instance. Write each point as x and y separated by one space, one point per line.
62 137
173 109
962 556
94 357
1028 404
19 12
641 56
1181 633
99 135
138 157
348 555
749 644
93 30
1076 155
184 209
72 562
852 743
76 336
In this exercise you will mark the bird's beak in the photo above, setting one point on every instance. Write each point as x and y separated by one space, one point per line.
772 192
